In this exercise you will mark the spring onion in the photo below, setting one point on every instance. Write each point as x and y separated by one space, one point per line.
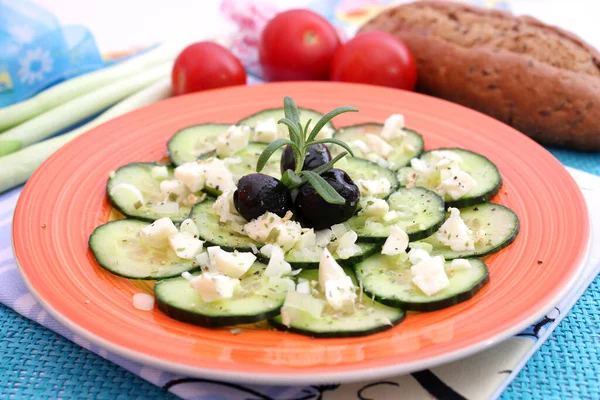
16 168
65 115
61 93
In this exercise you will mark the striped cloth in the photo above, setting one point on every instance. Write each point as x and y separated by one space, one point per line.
494 368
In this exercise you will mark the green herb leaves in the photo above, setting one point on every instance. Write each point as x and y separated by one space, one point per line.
300 140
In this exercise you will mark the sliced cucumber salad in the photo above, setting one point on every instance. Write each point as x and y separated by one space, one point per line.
319 232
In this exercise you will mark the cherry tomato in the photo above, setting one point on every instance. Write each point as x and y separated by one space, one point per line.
206 65
376 58
297 45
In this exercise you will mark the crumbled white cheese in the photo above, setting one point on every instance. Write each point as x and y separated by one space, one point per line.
159 172
416 255
455 233
277 265
393 215
233 264
234 139
360 145
375 208
213 286
455 182
189 226
421 166
143 301
303 286
329 269
217 176
341 294
270 228
166 208
265 131
203 259
374 187
192 175
378 145
173 189
407 148
460 263
393 127
259 228
157 234
224 207
339 230
308 240
430 275
346 245
323 237
297 301
396 243
185 245
134 195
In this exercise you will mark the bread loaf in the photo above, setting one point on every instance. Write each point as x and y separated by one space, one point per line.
537 78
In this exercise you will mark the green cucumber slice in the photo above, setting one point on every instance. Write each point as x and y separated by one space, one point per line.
371 317
258 298
501 226
484 172
140 176
117 248
217 233
423 213
277 113
390 282
189 143
400 157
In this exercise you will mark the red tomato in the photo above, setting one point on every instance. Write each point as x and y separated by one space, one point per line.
297 45
206 65
377 58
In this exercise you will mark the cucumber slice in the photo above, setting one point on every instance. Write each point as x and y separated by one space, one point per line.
400 157
299 260
358 168
484 172
390 282
189 143
257 298
140 176
277 114
501 226
371 317
217 233
422 211
117 248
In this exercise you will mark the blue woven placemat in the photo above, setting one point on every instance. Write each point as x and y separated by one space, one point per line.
38 363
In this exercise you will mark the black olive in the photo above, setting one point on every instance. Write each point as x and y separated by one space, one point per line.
258 193
316 155
315 212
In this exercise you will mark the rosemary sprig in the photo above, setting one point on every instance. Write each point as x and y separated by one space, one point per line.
300 140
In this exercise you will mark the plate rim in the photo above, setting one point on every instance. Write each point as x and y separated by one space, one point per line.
357 375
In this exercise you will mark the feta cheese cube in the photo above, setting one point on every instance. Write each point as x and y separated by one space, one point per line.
396 243
234 139
393 216
455 233
212 253
373 187
339 230
417 255
393 127
173 189
259 228
132 193
323 237
444 159
217 176
378 145
303 286
430 275
347 246
185 245
265 131
460 263
421 166
192 175
375 208
359 145
455 183
233 264
341 294
329 269
224 207
203 259
214 286
277 265
190 227
308 240
159 172
157 234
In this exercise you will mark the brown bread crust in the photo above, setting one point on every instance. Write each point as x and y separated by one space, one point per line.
537 78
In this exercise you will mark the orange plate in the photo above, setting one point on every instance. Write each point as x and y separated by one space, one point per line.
65 200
